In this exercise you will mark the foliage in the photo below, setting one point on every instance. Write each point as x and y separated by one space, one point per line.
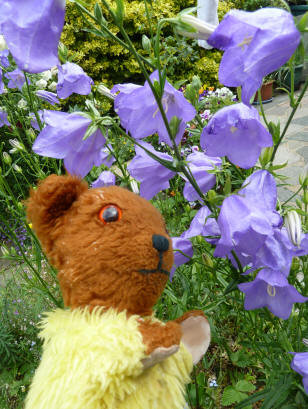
110 63
252 5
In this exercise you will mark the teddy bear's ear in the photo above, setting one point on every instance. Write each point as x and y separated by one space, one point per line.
50 200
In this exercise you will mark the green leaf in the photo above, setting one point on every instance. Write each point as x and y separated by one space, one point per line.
99 14
301 25
240 359
231 395
120 11
244 386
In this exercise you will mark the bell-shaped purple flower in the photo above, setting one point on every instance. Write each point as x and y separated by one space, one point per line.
255 44
152 175
255 219
62 138
32 30
139 113
3 119
16 79
1 83
199 165
236 131
4 61
72 79
106 178
47 96
271 289
300 365
203 225
183 251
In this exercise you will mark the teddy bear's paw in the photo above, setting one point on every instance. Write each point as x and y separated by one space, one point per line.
196 336
159 355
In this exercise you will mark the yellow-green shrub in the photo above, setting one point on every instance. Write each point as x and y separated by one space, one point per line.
108 62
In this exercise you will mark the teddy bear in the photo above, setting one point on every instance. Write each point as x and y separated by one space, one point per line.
106 349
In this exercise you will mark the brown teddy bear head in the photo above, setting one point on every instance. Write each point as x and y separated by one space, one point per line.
109 245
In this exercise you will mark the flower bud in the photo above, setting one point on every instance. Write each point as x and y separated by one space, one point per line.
20 206
294 227
52 86
305 197
207 260
266 155
3 44
17 168
105 91
194 27
4 250
22 103
303 177
31 134
6 157
54 71
41 84
46 75
16 144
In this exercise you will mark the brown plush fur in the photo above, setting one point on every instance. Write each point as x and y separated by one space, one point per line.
99 263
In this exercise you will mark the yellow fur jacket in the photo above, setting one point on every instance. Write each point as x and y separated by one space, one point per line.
93 361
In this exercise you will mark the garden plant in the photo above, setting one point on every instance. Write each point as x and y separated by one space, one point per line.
202 155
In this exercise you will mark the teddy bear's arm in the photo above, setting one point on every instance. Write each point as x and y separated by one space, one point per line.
156 335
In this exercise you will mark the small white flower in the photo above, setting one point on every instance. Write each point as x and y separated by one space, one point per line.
22 104
134 185
52 86
46 75
23 388
300 277
41 84
294 227
3 44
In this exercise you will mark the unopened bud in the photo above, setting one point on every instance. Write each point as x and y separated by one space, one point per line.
211 195
31 134
6 157
207 260
194 27
4 251
3 44
303 177
16 144
294 227
305 197
17 168
105 91
266 155
20 206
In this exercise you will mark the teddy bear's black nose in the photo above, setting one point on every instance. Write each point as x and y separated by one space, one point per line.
160 243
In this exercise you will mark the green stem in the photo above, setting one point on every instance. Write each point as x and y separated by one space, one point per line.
261 108
31 104
290 198
289 120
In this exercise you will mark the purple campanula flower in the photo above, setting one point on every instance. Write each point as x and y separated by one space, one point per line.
106 156
271 289
255 219
236 131
3 119
16 78
34 123
1 83
199 164
203 225
185 246
139 113
106 178
32 30
255 44
152 175
4 61
50 97
72 79
300 365
62 138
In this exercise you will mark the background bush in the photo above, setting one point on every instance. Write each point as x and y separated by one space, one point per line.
110 63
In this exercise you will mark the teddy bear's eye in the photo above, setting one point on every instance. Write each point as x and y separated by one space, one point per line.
110 213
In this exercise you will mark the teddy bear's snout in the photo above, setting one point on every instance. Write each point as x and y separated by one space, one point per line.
160 243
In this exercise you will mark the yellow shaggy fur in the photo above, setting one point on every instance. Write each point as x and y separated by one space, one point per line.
94 361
